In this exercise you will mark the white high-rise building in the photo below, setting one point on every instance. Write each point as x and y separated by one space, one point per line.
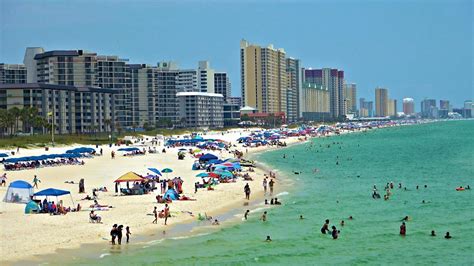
205 77
30 63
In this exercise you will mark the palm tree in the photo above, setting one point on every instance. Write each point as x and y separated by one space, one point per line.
15 112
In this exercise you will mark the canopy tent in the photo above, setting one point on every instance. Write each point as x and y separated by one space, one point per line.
3 155
32 207
81 150
129 149
156 171
173 195
52 192
208 157
129 177
42 157
19 192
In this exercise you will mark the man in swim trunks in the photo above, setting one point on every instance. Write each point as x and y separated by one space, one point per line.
246 214
325 227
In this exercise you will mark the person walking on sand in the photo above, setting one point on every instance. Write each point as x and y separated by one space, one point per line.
112 154
36 181
3 179
167 213
270 184
127 232
265 181
155 213
247 191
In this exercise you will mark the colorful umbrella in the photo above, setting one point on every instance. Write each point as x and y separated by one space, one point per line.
227 174
213 175
202 175
167 170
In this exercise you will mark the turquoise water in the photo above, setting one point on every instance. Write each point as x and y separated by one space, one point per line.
439 155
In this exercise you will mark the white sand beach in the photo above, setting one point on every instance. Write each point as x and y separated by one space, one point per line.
24 236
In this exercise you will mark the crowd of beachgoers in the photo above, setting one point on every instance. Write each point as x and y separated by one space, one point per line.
214 162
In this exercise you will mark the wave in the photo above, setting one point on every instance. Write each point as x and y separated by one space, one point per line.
103 255
284 193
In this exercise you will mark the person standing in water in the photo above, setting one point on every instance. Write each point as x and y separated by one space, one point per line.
265 181
127 232
155 213
167 213
325 227
334 233
247 191
264 217
113 233
119 234
246 214
403 229
270 184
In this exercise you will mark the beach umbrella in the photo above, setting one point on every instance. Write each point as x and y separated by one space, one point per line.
215 175
202 175
228 164
182 149
156 171
166 171
3 155
227 174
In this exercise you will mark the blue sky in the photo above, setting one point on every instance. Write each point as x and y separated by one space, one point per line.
415 48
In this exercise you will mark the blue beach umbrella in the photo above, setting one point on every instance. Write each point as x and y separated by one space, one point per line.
202 175
226 174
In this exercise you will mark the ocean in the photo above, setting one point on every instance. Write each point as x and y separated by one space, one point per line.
335 181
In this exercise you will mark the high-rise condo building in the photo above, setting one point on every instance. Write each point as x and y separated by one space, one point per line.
201 109
205 77
381 102
187 80
293 95
71 109
315 104
351 98
30 63
263 77
408 106
429 109
366 108
392 107
235 100
333 80
12 74
222 84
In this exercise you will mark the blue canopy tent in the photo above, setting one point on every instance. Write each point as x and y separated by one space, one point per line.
207 157
81 150
53 192
129 149
19 192
42 157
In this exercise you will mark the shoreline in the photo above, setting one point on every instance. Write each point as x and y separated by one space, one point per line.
219 210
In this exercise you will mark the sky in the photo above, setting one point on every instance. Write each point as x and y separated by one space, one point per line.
416 49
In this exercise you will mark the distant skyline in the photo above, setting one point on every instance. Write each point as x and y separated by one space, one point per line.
416 49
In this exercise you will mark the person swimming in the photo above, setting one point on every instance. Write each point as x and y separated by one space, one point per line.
268 239
405 218
447 236
342 223
433 233
301 217
325 227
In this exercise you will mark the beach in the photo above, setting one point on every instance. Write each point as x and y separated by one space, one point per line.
32 235
438 155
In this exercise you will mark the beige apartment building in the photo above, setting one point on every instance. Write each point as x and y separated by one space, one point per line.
381 102
263 77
